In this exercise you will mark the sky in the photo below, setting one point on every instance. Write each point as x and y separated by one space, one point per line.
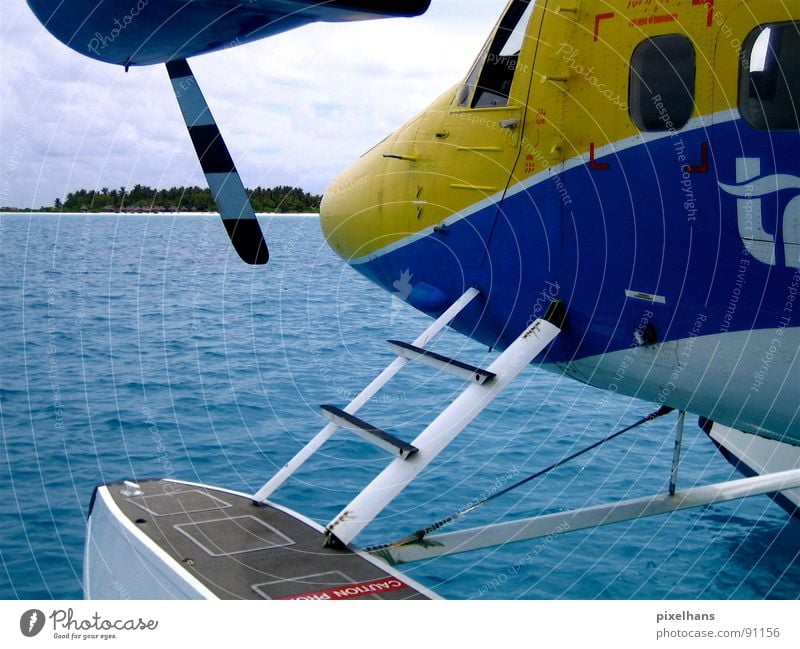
295 109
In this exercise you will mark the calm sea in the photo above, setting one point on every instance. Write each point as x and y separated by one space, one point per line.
140 346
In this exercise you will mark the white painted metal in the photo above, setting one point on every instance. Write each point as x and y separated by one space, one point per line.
438 362
571 521
758 454
366 394
369 433
676 455
452 420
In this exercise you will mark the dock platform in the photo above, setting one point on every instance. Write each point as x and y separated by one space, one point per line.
203 542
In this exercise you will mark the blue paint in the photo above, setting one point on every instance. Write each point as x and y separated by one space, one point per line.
646 224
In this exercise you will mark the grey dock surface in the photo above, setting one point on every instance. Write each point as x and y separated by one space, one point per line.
242 550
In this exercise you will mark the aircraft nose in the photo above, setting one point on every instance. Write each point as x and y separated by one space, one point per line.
350 209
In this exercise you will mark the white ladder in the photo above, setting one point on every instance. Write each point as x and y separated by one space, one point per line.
411 459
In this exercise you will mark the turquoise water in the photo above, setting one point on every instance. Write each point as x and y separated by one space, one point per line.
140 346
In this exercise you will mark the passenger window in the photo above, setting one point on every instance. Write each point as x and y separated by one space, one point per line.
493 73
661 88
769 90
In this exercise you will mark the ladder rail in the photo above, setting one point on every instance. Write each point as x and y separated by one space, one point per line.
439 362
363 509
369 433
362 398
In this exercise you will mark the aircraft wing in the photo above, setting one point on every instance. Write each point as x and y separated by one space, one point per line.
145 32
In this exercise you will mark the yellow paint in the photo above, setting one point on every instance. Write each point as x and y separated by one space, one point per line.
570 91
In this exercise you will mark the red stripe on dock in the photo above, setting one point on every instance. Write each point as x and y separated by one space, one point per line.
353 591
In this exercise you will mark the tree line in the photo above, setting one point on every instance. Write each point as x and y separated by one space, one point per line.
140 198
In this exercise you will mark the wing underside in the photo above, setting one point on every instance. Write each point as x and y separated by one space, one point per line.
145 32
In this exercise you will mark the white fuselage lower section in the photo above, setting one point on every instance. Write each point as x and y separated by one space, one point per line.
746 380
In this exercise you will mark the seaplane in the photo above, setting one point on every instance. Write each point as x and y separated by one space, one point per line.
612 192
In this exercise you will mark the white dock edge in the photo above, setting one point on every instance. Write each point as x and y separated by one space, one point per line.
121 562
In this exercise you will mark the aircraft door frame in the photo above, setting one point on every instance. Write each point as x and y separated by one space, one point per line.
484 127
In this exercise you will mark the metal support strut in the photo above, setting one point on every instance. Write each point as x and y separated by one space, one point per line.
676 456
589 517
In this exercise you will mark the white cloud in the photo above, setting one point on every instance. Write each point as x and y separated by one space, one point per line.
294 109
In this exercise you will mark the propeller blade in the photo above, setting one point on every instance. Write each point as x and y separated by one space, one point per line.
221 174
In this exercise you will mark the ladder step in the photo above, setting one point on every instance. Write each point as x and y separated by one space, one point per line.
369 432
451 365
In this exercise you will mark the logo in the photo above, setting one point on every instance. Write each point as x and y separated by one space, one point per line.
750 189
31 622
402 288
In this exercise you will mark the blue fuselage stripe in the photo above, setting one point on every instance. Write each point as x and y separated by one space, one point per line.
654 223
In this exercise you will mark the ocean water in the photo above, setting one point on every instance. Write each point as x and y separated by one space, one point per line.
140 346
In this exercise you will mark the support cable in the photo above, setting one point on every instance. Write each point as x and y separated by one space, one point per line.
419 535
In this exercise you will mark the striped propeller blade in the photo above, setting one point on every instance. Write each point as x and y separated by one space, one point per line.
223 178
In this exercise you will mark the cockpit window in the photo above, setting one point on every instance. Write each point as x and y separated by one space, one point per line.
661 86
493 72
769 90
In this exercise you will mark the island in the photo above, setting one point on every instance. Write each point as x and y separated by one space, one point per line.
141 199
